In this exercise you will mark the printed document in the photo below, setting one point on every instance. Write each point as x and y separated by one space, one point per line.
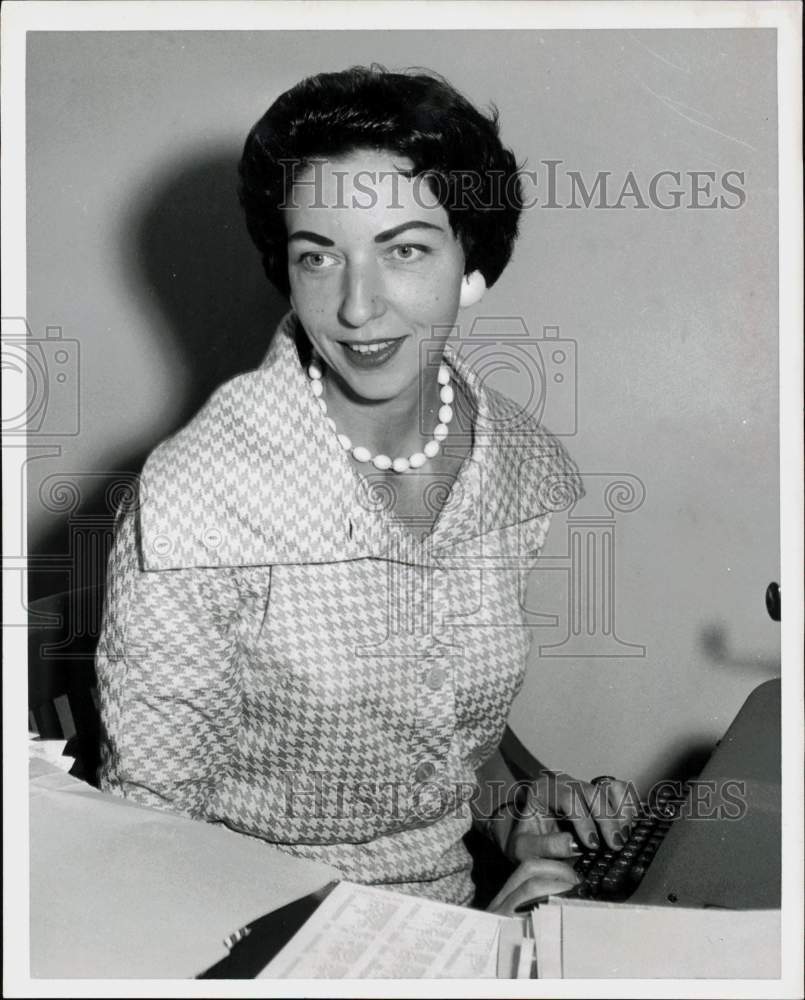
360 932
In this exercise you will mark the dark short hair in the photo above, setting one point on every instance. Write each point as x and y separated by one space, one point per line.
418 115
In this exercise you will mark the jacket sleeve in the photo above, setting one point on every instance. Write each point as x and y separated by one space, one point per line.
168 680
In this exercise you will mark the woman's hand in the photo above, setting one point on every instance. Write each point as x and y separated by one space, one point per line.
601 809
531 879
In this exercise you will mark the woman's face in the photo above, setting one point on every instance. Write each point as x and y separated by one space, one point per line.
375 270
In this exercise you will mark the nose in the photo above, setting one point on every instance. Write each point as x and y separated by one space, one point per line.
362 297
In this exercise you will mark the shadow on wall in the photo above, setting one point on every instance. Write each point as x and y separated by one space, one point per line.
192 254
715 644
186 252
677 764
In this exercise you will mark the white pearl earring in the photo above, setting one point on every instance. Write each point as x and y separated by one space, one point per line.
473 287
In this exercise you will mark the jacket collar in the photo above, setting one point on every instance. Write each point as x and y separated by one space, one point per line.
258 478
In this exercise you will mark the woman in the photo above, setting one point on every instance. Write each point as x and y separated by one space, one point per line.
313 629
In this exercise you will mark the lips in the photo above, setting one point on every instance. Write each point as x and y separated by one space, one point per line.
370 355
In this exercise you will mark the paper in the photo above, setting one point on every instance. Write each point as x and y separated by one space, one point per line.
51 751
525 959
511 937
618 940
119 891
546 923
360 932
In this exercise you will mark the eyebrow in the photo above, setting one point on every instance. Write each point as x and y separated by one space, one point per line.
304 234
384 237
389 234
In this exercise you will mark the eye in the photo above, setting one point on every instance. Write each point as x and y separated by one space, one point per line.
408 252
315 260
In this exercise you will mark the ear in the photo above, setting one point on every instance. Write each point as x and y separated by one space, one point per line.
473 289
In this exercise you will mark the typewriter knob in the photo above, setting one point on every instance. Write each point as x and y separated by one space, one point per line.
773 600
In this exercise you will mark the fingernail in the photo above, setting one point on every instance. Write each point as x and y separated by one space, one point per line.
617 840
593 840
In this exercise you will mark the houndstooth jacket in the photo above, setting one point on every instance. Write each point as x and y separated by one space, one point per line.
281 655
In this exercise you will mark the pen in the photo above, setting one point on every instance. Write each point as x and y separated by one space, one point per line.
529 904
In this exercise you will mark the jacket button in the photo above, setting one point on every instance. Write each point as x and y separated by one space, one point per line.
435 678
425 771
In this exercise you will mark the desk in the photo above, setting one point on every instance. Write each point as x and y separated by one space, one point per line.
120 891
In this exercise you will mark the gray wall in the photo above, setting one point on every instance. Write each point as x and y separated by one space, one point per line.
137 250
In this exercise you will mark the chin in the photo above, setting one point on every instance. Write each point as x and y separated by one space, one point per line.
375 390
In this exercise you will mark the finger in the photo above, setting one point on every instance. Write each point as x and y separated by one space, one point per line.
537 811
607 802
599 810
527 893
546 868
625 803
625 800
533 871
522 887
543 868
592 817
570 798
526 844
585 827
536 824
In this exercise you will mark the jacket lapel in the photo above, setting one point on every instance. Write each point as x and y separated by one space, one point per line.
258 478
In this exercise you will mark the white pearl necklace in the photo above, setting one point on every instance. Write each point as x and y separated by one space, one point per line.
401 464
